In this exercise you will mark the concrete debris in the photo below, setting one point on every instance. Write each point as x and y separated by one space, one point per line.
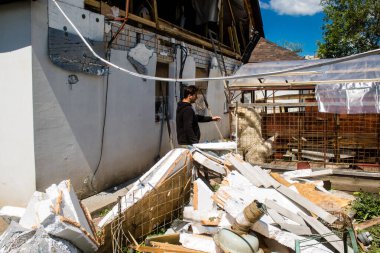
20 240
208 163
173 161
230 145
223 210
54 218
202 199
11 213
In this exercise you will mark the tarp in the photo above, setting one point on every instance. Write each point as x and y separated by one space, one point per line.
365 69
347 87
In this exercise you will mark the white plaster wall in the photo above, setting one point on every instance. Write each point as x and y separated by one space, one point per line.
17 170
67 119
53 130
216 99
131 134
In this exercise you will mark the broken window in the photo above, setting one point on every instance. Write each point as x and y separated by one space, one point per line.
161 93
201 102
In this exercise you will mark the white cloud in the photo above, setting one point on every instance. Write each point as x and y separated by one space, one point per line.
293 7
264 5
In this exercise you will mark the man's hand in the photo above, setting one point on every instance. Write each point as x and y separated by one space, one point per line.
215 118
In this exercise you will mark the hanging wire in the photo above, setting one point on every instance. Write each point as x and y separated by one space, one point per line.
232 77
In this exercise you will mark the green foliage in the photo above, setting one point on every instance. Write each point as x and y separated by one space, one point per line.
366 206
215 187
375 234
350 27
104 212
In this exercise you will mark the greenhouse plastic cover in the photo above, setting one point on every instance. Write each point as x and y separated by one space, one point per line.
354 87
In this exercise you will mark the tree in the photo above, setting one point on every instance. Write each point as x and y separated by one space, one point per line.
350 27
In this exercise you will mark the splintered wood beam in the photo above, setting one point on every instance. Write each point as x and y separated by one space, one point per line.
248 9
162 26
285 212
155 13
209 164
307 204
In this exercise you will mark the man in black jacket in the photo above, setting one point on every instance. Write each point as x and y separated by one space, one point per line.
188 131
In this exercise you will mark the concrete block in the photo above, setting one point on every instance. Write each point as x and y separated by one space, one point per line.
29 219
202 196
44 212
72 234
11 213
71 207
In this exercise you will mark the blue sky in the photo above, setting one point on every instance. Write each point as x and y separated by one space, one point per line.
298 21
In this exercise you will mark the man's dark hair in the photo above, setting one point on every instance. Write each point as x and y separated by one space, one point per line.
189 90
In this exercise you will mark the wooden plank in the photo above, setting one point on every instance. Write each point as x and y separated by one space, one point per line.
174 248
318 173
321 154
268 178
208 163
170 238
168 28
288 85
296 229
367 224
264 177
276 217
253 105
326 233
357 173
353 183
241 168
308 205
285 212
164 248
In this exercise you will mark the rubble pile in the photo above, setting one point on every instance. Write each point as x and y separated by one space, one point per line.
248 210
221 204
53 221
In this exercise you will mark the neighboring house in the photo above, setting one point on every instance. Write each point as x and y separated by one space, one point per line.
266 50
66 115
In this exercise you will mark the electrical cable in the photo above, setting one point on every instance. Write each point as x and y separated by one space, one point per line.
232 77
102 138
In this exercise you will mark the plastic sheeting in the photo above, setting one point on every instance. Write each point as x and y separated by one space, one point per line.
364 68
349 87
349 98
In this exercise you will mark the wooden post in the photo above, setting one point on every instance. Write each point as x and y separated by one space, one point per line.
231 37
155 18
221 16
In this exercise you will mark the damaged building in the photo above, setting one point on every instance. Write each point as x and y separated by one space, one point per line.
70 115
90 160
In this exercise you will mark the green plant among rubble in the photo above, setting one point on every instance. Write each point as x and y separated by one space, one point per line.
375 234
366 206
215 187
104 212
